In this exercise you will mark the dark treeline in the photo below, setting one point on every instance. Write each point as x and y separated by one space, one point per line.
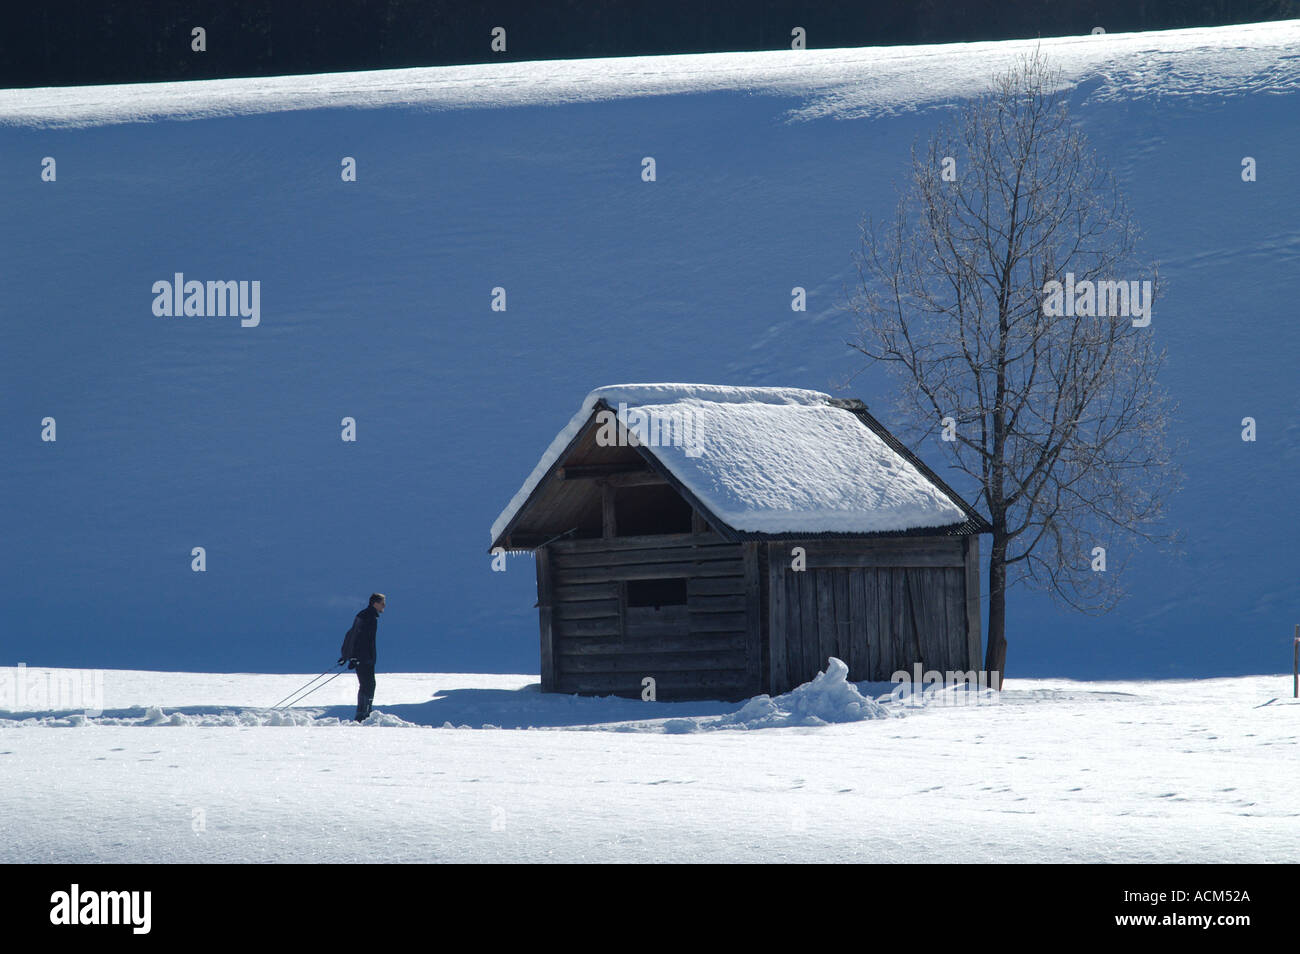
89 41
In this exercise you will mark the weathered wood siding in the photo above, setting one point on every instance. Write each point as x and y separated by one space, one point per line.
709 648
545 598
974 643
879 605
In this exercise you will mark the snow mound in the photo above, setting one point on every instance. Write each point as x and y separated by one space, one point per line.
387 720
828 698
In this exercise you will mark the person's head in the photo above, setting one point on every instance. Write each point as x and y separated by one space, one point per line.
378 601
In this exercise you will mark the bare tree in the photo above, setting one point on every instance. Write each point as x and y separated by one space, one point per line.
1046 395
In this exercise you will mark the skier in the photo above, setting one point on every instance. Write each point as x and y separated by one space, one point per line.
359 652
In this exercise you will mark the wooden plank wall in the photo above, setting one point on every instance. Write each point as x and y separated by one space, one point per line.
879 605
973 640
708 649
545 597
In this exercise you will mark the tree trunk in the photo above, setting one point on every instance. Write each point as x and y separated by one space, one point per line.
995 657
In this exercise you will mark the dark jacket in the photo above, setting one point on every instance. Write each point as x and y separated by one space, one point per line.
359 643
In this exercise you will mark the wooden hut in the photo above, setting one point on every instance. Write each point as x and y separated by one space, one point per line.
727 541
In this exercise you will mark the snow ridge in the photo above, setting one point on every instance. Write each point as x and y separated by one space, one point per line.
845 83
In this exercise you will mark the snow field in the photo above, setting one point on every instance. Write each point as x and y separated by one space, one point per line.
1055 771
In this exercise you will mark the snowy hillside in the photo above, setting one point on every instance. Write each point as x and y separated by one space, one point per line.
184 767
376 304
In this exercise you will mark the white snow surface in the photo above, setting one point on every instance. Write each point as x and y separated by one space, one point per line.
190 767
845 83
766 460
828 698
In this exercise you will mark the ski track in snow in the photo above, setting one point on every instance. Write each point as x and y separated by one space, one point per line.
1055 770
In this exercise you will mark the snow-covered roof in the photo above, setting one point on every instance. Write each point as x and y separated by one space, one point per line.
765 460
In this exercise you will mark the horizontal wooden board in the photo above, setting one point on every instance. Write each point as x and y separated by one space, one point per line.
602 645
655 628
715 586
588 609
650 571
655 541
607 626
731 603
624 557
585 591
646 621
652 664
723 684
716 622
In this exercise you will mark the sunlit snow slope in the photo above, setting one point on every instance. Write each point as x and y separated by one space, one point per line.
175 433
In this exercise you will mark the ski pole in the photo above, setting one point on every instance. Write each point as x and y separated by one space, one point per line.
300 689
321 686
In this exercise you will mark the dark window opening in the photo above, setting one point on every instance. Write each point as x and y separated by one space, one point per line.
654 509
656 593
588 521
